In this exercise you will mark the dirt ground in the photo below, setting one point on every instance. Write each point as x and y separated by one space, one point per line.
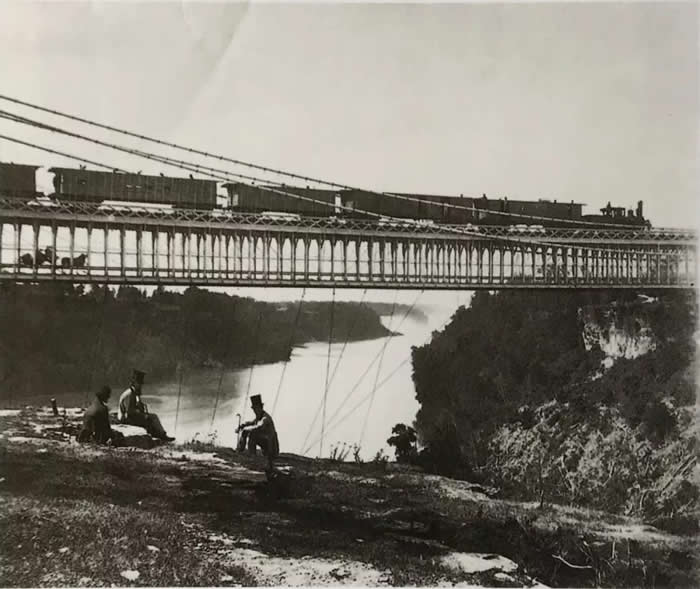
165 515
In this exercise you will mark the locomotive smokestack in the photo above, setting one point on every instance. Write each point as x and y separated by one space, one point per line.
640 209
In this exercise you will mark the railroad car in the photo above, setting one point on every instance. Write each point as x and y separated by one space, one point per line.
18 180
94 186
255 199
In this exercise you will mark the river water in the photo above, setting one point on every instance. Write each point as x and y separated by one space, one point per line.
370 389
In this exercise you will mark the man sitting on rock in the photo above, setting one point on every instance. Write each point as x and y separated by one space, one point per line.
259 432
96 426
133 411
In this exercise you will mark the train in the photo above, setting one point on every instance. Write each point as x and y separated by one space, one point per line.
92 186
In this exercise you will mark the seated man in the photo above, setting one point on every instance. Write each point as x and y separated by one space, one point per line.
133 411
259 432
96 426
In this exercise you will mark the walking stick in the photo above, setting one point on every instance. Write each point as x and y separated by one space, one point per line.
238 431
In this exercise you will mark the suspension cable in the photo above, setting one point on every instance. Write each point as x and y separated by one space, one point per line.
379 369
445 228
328 365
289 346
291 174
61 153
182 362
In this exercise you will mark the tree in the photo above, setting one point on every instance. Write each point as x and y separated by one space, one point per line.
404 442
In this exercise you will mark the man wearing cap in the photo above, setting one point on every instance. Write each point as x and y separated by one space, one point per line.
259 432
133 411
96 426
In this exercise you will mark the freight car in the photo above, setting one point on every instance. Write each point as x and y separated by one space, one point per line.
93 186
18 180
255 199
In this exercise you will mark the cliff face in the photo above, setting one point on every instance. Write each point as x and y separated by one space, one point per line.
618 330
519 383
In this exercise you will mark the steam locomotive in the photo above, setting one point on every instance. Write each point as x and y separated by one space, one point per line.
82 185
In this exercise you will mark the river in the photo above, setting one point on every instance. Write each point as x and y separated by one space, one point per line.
207 401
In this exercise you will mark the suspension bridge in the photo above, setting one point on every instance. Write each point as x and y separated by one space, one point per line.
54 240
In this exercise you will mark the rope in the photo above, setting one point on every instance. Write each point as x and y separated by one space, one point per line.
289 346
379 369
362 377
278 171
335 370
328 365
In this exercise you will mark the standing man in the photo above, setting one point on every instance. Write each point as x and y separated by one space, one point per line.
259 432
133 411
96 426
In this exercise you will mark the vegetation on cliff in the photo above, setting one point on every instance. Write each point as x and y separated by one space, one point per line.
57 338
512 394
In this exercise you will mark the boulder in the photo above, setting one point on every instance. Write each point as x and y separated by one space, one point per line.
136 437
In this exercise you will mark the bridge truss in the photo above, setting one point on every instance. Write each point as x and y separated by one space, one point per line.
117 245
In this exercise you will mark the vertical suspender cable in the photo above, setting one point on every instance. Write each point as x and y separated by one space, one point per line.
221 379
98 342
291 342
328 366
255 354
182 363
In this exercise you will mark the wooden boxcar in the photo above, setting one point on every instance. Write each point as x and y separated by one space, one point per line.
255 199
94 186
18 180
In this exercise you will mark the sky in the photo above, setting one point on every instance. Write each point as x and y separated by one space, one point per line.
591 102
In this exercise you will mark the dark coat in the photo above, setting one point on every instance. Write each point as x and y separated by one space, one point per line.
96 426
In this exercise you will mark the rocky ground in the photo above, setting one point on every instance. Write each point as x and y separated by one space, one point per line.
164 515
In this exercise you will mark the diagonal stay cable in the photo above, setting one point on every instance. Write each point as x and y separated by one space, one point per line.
289 346
386 379
379 370
366 371
335 370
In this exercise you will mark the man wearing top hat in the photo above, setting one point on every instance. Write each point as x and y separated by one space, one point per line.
259 432
133 411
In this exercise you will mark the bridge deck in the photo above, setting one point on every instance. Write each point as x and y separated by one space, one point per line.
99 244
